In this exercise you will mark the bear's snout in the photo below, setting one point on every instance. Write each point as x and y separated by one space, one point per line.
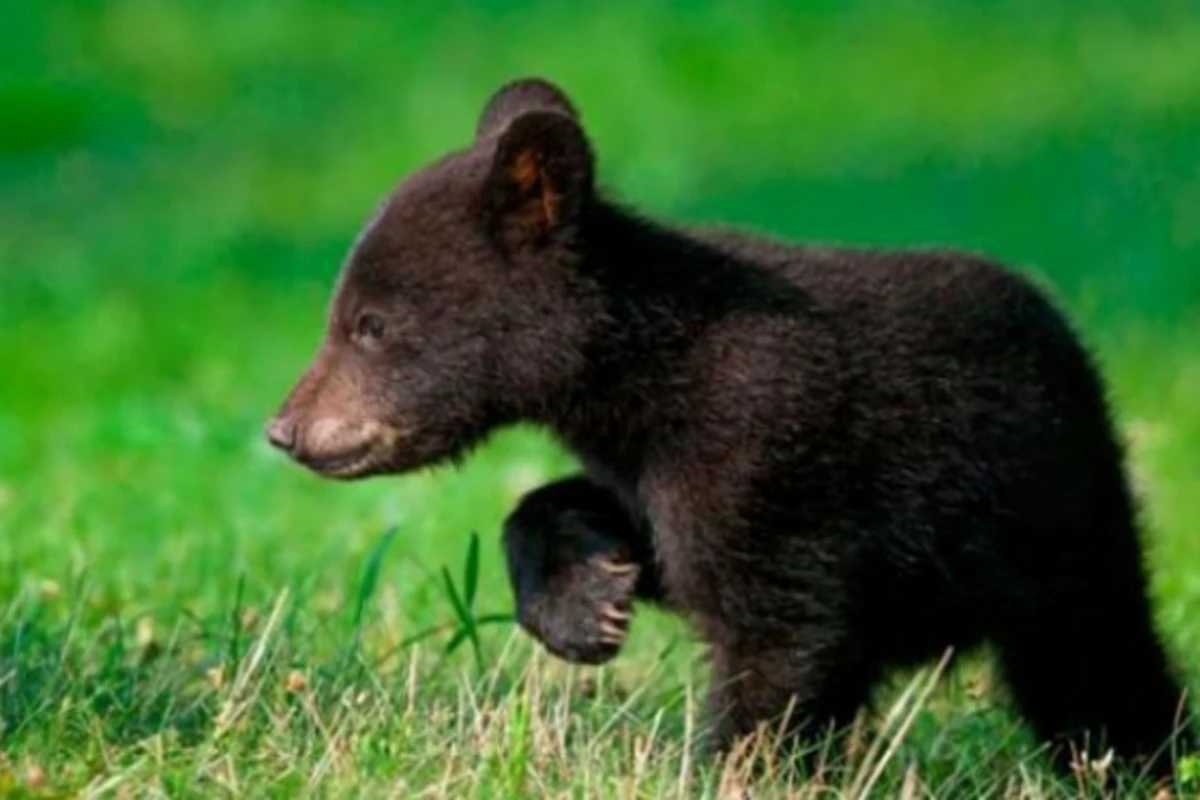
324 423
334 447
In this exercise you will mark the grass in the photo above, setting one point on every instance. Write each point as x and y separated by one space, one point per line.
183 613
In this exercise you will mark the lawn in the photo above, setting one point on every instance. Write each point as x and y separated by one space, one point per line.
184 613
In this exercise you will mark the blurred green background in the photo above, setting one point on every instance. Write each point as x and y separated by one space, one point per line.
179 181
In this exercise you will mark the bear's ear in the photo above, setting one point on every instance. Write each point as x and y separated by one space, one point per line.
520 97
539 181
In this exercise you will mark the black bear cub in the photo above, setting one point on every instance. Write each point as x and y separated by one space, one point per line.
831 460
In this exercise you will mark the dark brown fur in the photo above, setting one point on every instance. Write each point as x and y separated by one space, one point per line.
839 460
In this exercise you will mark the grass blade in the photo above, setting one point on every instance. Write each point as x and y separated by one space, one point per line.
464 616
471 571
457 639
366 587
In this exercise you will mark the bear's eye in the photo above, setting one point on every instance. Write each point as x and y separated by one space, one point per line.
369 327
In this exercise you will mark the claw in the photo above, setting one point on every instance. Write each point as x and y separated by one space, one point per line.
615 614
610 632
616 567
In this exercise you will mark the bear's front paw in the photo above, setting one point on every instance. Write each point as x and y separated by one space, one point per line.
583 616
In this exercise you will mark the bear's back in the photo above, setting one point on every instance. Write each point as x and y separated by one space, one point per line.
912 313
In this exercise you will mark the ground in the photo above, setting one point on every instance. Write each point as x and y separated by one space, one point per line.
182 611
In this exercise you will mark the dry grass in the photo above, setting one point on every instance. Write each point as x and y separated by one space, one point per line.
267 722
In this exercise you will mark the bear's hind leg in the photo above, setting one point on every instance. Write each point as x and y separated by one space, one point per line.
1091 674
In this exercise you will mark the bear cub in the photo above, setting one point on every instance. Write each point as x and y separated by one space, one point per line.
832 461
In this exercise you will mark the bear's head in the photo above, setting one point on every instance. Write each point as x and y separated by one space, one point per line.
458 305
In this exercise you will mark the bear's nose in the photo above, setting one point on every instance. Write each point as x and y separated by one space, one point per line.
282 433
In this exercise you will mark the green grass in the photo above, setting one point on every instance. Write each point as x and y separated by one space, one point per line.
182 612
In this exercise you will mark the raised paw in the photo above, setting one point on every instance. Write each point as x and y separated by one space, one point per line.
582 613
575 569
